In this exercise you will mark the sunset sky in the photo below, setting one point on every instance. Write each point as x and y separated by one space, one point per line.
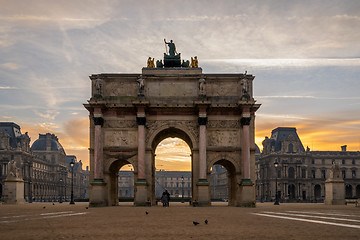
305 56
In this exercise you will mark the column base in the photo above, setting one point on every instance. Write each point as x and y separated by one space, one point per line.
141 198
247 196
203 199
98 193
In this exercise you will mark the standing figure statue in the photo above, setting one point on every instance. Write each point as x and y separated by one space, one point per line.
245 89
141 86
98 86
202 87
172 49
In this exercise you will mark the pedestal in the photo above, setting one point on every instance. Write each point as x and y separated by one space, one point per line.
14 191
334 192
247 194
141 198
203 193
98 193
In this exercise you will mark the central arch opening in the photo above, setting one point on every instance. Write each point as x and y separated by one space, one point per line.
172 165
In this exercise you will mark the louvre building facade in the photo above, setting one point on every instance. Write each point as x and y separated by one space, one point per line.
44 167
301 173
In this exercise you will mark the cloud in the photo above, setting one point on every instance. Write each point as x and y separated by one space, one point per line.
10 66
325 132
49 114
173 154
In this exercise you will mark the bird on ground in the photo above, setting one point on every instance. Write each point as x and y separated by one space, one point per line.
146 212
44 207
53 203
195 223
86 207
206 221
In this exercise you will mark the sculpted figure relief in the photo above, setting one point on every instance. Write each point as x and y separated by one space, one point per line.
194 62
150 63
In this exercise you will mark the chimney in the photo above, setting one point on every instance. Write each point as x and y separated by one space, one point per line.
343 148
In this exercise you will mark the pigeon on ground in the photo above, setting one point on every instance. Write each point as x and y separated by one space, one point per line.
195 223
53 203
44 207
146 212
206 221
86 207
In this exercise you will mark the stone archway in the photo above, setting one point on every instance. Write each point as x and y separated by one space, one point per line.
176 130
131 113
112 177
231 180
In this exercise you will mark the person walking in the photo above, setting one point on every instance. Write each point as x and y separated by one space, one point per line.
165 198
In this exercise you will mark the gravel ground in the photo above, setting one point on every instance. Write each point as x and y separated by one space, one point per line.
266 221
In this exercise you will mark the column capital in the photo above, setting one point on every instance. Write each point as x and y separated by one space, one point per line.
202 120
98 121
141 120
245 121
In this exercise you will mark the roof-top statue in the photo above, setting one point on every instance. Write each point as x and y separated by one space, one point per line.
172 59
172 48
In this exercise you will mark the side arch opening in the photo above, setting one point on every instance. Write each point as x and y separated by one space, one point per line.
223 182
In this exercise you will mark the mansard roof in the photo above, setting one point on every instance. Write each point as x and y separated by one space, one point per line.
41 143
257 149
11 129
278 135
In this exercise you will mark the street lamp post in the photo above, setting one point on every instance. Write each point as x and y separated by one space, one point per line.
276 164
72 182
182 195
60 190
30 191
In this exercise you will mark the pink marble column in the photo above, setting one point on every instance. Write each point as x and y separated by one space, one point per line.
141 151
202 152
141 121
98 148
245 121
202 143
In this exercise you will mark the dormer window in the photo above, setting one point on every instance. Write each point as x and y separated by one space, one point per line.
290 148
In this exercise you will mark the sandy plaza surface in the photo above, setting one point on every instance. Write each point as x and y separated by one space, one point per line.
266 221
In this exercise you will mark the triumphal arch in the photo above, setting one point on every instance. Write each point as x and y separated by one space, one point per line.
130 114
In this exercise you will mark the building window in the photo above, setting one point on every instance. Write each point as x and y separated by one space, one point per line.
343 173
353 161
323 173
322 161
303 173
279 173
312 161
353 173
343 161
313 173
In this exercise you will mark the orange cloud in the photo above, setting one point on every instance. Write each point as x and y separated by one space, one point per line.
73 136
322 133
